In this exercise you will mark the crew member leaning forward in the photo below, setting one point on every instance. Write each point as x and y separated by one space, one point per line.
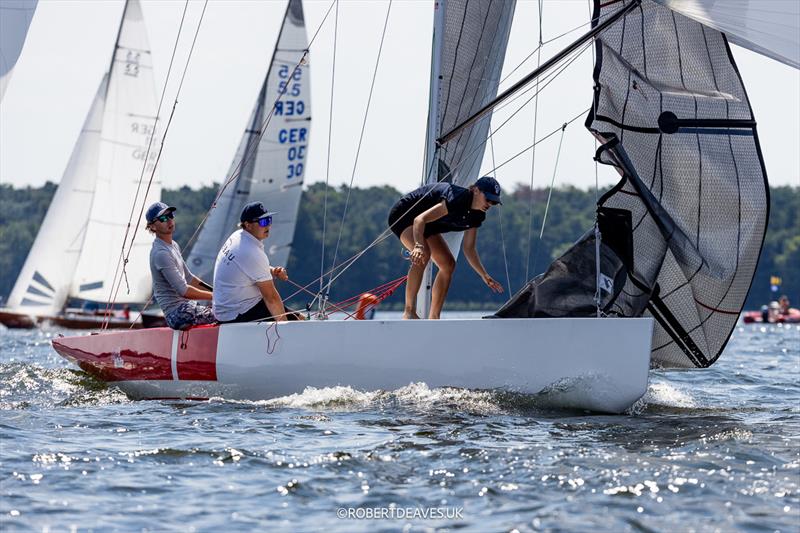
175 288
421 216
244 289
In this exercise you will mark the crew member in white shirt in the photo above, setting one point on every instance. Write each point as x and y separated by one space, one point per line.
244 287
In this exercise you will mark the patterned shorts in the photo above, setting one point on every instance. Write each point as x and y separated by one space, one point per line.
189 314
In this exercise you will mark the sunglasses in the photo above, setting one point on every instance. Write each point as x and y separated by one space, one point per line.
164 218
264 222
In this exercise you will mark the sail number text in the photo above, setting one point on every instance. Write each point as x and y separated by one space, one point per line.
290 86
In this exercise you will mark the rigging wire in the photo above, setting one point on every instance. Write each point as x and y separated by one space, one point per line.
597 236
328 161
361 135
249 152
123 257
549 196
500 214
533 154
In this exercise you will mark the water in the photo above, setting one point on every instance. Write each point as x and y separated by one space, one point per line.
711 450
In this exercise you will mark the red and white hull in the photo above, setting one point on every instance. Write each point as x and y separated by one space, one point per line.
595 364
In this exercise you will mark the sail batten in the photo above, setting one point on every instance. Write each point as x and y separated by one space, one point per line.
269 165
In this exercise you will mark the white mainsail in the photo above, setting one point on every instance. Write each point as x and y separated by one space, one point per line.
77 248
470 40
128 125
769 27
15 19
43 284
271 165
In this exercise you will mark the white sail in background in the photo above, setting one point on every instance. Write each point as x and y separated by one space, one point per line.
128 124
769 27
470 40
275 165
43 284
15 19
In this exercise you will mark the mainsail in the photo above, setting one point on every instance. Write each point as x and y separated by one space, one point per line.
269 166
43 284
15 19
128 128
470 40
77 248
683 229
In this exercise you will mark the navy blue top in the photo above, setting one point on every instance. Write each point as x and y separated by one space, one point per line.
458 200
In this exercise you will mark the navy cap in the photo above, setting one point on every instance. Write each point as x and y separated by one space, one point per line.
254 211
490 188
156 210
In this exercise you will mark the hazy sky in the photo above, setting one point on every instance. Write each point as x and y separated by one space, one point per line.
70 42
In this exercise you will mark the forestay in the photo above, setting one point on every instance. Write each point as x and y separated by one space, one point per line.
268 167
128 125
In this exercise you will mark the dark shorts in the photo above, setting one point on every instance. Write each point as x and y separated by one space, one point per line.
399 219
189 314
259 312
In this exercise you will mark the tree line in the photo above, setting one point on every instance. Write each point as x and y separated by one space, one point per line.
508 243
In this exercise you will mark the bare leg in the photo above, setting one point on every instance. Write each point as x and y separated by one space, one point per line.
446 263
414 280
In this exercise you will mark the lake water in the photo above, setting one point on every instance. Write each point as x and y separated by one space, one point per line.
710 450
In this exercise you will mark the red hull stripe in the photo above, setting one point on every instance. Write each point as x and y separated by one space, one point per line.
124 356
197 354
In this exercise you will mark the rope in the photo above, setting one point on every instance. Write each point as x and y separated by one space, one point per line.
123 257
328 161
549 196
360 137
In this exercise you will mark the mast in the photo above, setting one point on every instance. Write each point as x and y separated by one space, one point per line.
431 152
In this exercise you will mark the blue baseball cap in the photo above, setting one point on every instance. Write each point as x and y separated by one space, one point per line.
490 188
156 210
253 211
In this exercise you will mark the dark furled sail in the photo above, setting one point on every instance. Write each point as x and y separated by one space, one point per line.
673 117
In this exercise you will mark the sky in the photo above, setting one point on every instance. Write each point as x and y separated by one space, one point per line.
69 47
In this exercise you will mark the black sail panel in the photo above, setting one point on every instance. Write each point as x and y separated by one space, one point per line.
671 111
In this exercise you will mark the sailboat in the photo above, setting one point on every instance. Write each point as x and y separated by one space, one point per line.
269 164
75 253
658 282
15 19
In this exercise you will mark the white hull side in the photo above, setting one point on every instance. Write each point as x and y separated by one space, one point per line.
595 364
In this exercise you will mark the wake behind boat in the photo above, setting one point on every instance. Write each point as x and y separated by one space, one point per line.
580 360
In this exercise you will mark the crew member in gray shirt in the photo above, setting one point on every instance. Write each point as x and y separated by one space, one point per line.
175 288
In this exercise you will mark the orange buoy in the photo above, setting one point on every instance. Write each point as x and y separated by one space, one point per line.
366 306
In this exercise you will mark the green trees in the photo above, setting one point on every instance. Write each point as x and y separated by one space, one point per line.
503 241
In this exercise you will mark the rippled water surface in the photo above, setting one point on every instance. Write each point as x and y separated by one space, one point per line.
711 450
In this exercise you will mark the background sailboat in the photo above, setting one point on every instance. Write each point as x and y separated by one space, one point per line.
76 251
269 165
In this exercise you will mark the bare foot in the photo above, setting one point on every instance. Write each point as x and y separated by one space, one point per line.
411 316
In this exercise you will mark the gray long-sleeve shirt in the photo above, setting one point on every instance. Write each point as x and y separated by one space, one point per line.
171 276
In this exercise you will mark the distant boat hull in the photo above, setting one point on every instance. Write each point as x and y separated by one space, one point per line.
17 320
13 320
755 317
594 364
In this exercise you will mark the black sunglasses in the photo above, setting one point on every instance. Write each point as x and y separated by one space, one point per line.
164 218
